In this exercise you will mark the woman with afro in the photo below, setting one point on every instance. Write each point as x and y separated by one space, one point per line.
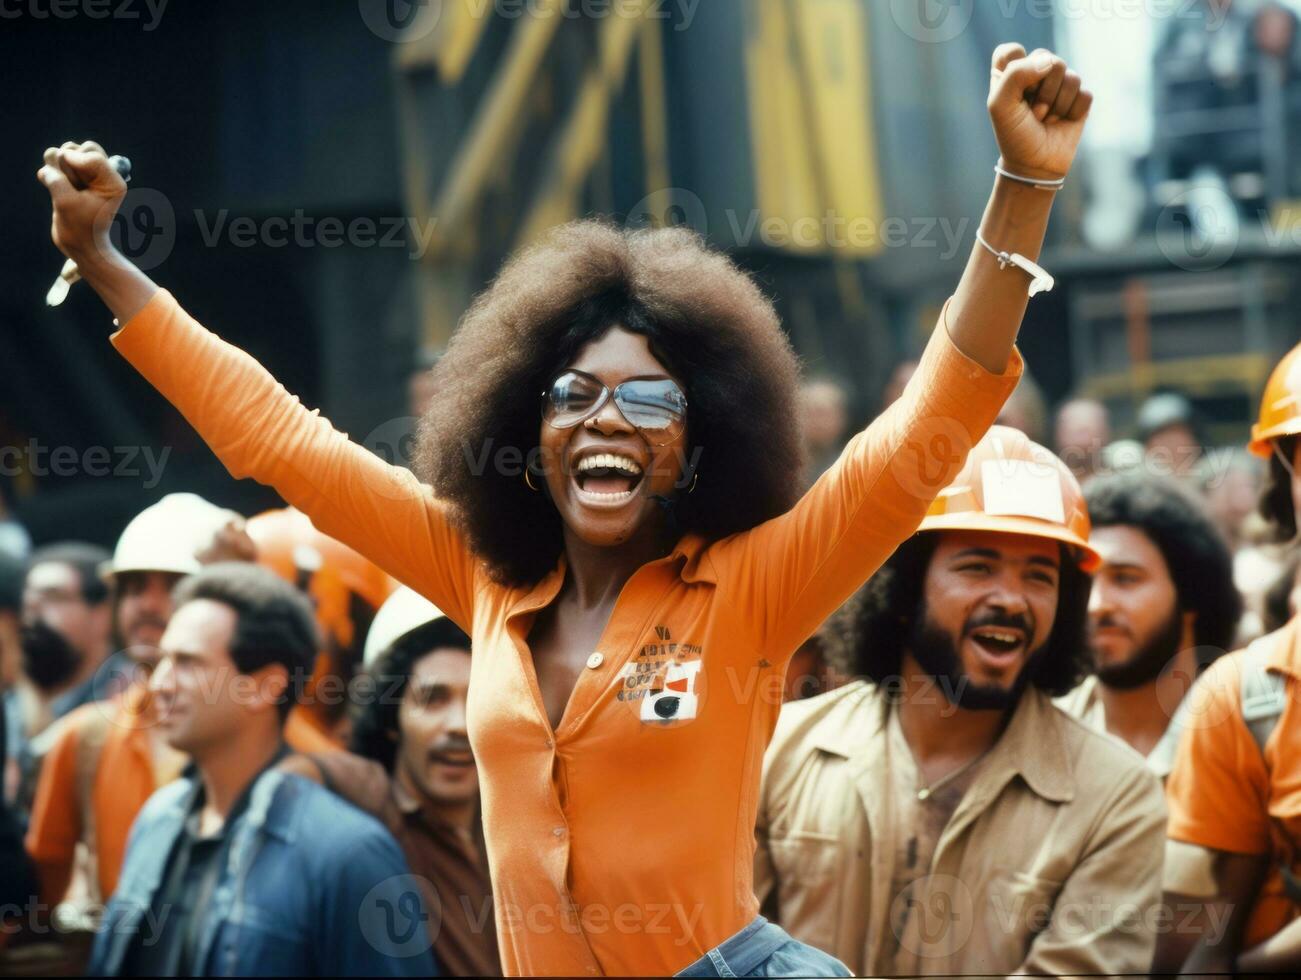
607 504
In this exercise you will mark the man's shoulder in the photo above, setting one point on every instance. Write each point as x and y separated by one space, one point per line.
800 718
1101 761
325 825
834 724
166 803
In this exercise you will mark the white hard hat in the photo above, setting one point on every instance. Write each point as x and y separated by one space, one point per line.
402 612
166 536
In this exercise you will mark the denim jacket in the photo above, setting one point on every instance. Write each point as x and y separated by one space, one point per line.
310 886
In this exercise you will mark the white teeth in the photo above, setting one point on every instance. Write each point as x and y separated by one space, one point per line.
609 461
1000 636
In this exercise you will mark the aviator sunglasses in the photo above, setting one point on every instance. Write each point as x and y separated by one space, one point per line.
656 407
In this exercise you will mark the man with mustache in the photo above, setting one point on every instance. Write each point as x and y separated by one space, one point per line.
940 815
1162 608
413 769
64 641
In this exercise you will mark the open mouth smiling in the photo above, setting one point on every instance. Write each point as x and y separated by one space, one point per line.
606 478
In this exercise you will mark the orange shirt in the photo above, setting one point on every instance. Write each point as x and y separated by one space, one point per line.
1226 795
124 779
622 842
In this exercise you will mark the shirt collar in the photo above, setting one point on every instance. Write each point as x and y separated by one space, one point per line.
690 552
1032 746
1285 655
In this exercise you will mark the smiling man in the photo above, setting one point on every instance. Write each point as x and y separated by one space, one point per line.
940 815
413 769
1162 608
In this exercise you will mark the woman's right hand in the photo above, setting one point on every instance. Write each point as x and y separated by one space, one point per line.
86 193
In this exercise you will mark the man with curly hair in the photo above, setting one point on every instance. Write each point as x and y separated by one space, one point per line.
631 562
1162 608
411 767
940 815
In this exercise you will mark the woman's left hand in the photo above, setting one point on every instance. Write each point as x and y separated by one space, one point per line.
1038 107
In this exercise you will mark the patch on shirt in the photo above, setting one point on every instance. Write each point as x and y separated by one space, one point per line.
663 682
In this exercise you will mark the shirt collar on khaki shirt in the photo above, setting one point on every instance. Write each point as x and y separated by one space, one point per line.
1032 746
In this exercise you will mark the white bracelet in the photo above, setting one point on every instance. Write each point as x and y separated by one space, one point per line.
1040 280
1048 185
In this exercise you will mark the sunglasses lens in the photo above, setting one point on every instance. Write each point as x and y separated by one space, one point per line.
570 399
656 407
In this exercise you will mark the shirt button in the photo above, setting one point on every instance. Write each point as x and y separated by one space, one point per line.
559 831
550 744
595 660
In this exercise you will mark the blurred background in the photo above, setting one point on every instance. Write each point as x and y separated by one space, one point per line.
327 185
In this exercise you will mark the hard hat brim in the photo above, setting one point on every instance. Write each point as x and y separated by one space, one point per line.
1087 559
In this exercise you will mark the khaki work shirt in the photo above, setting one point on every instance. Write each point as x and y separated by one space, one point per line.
1051 864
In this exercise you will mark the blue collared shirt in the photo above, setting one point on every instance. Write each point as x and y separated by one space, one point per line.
309 886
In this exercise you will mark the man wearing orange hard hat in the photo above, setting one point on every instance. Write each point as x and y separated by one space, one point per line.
940 814
1234 856
346 590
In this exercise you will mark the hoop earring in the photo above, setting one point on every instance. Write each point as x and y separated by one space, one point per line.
528 472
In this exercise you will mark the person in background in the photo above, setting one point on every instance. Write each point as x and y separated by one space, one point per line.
824 423
1162 608
1081 430
1172 440
1232 494
65 642
411 766
898 380
17 876
421 386
1283 600
12 573
108 759
1027 410
237 869
15 542
1234 856
345 589
936 815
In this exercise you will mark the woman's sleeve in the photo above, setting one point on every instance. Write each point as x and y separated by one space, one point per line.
259 430
789 574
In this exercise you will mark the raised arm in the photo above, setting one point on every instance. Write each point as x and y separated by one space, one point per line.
789 574
256 428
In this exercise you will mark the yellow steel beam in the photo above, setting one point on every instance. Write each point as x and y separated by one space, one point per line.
582 137
654 110
496 127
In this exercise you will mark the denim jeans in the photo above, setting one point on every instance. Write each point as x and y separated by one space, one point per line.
762 949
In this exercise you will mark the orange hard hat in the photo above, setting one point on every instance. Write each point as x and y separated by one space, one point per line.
1012 485
327 570
1280 409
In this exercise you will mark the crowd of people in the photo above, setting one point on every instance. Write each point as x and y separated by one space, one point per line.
538 707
